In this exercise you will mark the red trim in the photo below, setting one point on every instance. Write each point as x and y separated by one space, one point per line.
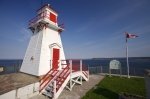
63 70
63 74
62 82
45 75
53 17
47 78
62 78
76 67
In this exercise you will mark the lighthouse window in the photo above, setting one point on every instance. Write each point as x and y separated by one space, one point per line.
53 17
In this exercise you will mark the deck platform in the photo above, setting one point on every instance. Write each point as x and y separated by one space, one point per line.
13 81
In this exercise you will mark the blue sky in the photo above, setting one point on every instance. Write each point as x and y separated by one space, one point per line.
93 28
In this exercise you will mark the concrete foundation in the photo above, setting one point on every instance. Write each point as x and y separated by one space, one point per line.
18 86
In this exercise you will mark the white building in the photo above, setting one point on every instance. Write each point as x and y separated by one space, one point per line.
45 48
45 58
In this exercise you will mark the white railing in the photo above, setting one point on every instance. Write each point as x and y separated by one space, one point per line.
65 75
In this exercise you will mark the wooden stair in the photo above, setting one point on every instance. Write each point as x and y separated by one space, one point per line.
53 83
56 86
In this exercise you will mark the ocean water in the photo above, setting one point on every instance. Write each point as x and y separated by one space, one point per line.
97 65
137 66
10 66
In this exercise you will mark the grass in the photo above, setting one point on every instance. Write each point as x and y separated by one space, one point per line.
111 87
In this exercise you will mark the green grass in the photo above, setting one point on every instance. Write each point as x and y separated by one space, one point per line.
111 87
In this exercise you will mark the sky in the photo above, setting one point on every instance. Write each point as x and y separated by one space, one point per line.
93 28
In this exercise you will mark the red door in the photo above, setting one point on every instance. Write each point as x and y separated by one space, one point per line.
55 58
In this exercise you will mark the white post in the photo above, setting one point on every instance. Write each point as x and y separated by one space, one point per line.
54 95
81 71
70 62
128 72
88 72
81 65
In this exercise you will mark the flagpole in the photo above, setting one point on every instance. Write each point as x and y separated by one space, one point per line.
127 59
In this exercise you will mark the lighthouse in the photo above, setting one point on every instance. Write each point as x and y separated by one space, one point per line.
45 56
44 68
45 49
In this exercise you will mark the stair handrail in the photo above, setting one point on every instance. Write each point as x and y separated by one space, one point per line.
47 78
85 71
66 73
46 74
53 79
50 81
62 71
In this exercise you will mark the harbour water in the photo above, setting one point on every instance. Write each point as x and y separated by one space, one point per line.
96 65
137 66
10 66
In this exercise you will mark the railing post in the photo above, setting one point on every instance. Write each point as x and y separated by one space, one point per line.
88 69
70 62
109 72
81 71
81 65
54 95
88 75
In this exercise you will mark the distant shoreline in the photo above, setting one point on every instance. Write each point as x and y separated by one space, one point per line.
96 58
123 58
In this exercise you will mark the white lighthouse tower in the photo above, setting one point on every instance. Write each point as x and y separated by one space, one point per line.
45 48
45 61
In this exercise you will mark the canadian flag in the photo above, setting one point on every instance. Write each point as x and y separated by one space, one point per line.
130 35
